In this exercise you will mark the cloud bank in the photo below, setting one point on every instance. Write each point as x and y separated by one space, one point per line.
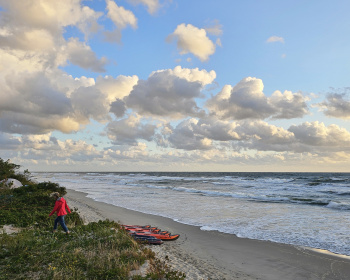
177 117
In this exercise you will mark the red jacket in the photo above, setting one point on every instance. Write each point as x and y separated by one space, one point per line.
60 207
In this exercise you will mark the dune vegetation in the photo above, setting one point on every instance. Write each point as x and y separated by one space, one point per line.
98 250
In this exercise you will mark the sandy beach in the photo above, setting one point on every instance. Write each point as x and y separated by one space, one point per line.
214 255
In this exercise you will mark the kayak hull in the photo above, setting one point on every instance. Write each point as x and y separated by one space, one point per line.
147 239
150 232
163 237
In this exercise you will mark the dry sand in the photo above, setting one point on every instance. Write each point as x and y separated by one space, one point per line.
214 255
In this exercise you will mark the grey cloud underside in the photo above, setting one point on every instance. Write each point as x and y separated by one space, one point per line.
129 131
118 108
87 60
33 94
165 95
246 100
8 143
89 103
25 124
337 105
114 36
81 55
319 135
258 135
31 105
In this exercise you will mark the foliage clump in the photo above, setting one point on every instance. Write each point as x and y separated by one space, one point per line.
30 205
10 170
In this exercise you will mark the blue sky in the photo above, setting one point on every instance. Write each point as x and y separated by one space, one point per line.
151 85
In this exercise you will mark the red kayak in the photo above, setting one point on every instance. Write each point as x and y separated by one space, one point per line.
147 239
137 226
138 229
148 231
164 237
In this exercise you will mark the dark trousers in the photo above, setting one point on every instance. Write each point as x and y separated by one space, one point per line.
60 219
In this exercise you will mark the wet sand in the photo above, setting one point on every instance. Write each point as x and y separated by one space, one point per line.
214 255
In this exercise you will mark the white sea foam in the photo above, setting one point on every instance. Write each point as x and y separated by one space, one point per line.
338 205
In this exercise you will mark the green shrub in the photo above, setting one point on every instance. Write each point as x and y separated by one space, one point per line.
10 170
31 205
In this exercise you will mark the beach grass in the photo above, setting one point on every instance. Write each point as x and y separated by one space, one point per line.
98 250
95 251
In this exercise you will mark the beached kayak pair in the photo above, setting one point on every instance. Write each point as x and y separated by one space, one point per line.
149 234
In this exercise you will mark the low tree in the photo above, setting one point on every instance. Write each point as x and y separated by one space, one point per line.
11 170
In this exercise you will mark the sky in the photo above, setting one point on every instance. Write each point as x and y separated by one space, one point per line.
175 85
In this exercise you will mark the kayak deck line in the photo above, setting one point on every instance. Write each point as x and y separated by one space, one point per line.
149 234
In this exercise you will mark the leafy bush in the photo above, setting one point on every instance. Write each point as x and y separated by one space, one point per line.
31 205
10 170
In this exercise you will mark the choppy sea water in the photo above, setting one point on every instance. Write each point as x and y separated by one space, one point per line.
304 209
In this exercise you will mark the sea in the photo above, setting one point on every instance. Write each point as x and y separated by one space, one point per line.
304 209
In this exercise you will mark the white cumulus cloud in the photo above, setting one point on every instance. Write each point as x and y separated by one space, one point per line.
81 54
185 137
116 88
129 130
169 93
48 15
337 105
152 5
191 39
192 75
246 100
319 135
215 28
120 16
274 39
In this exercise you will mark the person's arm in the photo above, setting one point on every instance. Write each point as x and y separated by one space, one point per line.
67 207
54 209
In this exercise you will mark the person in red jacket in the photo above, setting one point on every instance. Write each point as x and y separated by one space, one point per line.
60 208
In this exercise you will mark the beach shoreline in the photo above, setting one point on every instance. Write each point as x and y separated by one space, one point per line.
214 255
